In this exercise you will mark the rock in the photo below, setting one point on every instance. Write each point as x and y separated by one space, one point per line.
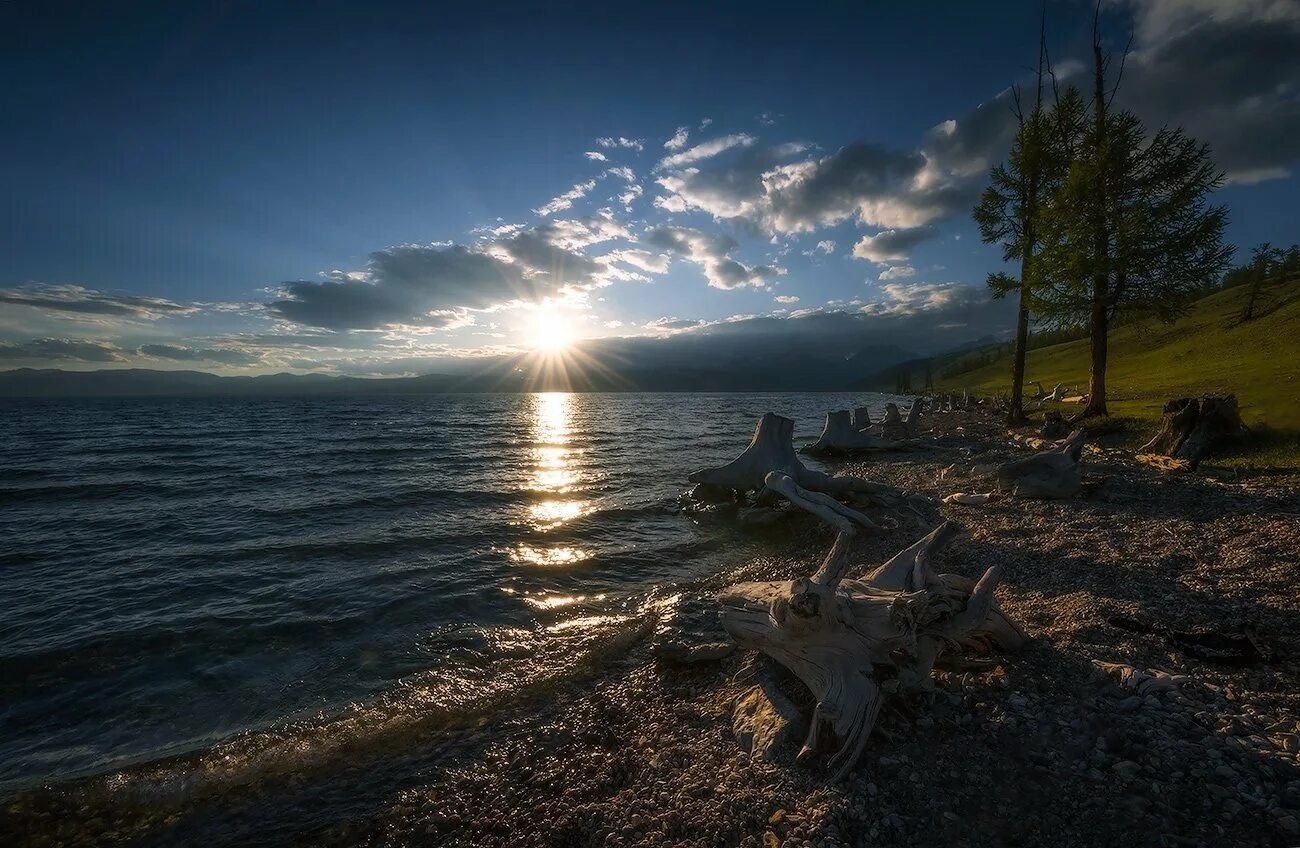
689 632
760 516
768 725
1126 769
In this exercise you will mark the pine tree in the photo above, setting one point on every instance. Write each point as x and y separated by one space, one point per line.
1017 192
1130 229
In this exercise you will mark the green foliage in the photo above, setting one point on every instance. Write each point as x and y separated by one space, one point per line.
1131 226
1208 351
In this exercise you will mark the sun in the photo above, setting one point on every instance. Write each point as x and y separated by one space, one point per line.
549 333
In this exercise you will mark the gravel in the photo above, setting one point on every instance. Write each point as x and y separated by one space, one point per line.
1046 748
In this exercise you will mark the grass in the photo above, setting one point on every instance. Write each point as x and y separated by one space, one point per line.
1208 351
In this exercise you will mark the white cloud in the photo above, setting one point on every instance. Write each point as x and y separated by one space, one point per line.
625 143
707 150
898 272
678 141
564 201
596 156
786 298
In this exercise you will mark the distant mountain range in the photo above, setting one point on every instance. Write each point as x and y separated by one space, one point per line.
773 369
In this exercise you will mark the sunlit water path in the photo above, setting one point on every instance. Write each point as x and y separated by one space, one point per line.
278 577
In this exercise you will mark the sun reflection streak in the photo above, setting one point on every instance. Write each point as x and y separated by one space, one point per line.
554 474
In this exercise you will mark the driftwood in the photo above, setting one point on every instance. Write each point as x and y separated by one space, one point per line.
1192 428
770 466
840 436
861 418
836 635
1052 473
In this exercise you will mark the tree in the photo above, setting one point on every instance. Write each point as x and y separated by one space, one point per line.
1130 229
1007 214
1265 260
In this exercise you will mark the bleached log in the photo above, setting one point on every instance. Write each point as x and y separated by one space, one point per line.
839 436
832 632
861 418
769 466
1052 473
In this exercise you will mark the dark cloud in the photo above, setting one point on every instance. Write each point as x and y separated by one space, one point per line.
892 245
432 286
1232 82
224 356
712 252
83 301
61 349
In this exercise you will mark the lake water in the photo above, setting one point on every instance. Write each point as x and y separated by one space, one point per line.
208 589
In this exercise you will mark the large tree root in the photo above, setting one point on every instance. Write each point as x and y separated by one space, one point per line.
770 466
1191 428
835 634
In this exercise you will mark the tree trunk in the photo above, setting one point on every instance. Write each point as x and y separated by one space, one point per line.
1016 414
1098 327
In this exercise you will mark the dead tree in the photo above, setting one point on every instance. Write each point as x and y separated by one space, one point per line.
834 634
861 418
1052 473
770 466
1190 428
840 436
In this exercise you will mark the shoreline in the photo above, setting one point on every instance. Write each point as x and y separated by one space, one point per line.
1039 751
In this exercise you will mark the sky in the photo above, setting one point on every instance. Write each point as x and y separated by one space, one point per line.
384 188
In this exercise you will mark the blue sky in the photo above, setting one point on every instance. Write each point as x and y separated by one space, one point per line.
373 188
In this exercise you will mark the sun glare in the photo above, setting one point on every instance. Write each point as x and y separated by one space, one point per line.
550 333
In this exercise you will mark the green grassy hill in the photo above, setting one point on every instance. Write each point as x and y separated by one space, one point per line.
1205 352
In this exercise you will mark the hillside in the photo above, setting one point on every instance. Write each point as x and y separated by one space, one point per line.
1204 352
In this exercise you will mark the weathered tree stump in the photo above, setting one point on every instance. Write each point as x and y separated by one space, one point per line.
770 466
839 436
1054 426
834 633
861 418
1052 473
1191 429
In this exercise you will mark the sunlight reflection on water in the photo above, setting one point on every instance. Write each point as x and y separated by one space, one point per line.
553 473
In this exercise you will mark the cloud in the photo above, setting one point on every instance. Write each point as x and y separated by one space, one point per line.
432 286
225 356
707 150
1228 73
78 350
891 245
76 300
626 143
898 272
654 263
712 252
596 156
825 247
878 186
678 141
564 201
628 197
916 298
673 324
704 124
786 298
